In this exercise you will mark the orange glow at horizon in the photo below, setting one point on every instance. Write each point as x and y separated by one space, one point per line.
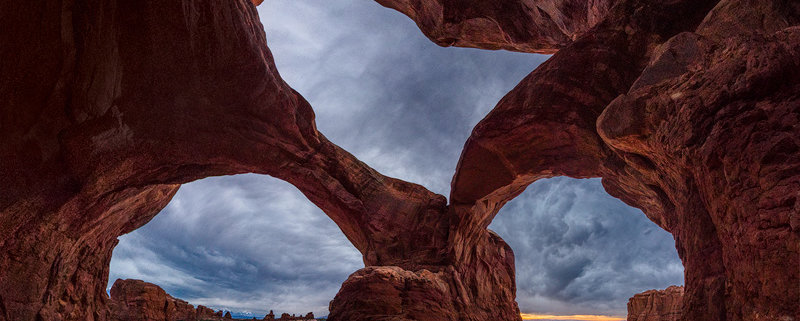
577 317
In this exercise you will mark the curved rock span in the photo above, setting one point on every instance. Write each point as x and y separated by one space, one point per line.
657 305
688 109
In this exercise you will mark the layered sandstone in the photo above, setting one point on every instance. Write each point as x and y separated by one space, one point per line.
687 109
656 305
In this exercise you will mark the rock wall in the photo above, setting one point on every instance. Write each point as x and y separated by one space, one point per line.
657 305
687 109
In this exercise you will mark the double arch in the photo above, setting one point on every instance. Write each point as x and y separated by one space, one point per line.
101 125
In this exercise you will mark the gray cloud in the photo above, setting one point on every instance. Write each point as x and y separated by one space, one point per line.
579 250
383 91
404 106
245 243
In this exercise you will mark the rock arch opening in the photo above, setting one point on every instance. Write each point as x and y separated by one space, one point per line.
246 243
580 251
381 90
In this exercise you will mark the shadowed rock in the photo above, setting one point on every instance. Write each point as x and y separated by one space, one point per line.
541 26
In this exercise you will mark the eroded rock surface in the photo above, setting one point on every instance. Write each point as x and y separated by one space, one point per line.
657 305
689 110
541 26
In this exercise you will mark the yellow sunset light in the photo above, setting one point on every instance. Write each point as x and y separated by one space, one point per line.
576 317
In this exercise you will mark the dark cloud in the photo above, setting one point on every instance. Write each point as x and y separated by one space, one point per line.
245 242
382 90
579 250
405 106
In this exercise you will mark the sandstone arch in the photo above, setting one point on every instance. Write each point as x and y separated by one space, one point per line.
109 105
663 152
111 119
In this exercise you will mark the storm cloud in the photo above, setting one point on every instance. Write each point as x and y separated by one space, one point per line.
580 251
381 90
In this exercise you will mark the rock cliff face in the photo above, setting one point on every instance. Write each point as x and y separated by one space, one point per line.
656 305
136 300
688 109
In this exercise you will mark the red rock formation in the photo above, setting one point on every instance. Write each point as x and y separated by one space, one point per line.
541 26
656 305
688 110
407 295
672 152
136 300
101 124
692 121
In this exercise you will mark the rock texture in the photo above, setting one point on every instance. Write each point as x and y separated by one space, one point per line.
136 300
656 305
100 125
541 26
688 109
694 121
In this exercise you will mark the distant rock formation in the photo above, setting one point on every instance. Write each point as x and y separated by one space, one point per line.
137 300
286 317
656 305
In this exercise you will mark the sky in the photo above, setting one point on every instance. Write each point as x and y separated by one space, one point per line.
252 243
